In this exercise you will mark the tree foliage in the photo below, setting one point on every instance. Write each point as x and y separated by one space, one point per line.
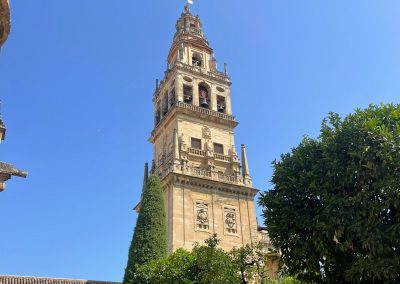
208 264
149 240
334 210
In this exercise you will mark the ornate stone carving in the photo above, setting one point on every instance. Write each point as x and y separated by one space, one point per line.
4 21
230 220
201 215
206 132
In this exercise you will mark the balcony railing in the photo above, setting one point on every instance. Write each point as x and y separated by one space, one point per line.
222 157
217 75
205 111
201 173
164 170
197 152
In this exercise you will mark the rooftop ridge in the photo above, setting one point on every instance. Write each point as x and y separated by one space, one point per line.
7 279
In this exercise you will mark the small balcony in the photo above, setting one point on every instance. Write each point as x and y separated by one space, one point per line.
196 152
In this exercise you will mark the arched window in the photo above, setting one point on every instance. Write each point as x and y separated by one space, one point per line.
165 104
187 94
157 117
172 97
221 104
196 60
204 96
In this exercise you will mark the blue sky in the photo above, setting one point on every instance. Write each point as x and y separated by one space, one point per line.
76 81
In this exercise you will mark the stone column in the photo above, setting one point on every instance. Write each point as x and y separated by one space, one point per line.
195 92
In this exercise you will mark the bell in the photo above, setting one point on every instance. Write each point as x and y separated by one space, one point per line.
204 102
188 98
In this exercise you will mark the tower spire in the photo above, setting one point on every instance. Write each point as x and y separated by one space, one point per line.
245 166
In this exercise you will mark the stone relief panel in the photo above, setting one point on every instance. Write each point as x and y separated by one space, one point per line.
206 132
230 221
201 216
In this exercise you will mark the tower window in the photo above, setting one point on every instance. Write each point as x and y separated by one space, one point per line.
172 97
180 54
187 94
218 148
221 104
158 116
196 60
204 98
165 104
195 143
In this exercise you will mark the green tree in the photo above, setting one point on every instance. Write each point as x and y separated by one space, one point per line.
250 261
334 210
149 240
213 265
205 264
208 264
177 268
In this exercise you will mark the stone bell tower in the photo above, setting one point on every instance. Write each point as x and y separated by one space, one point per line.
207 189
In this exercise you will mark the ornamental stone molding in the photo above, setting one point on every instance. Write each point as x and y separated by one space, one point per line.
4 21
230 220
6 172
201 214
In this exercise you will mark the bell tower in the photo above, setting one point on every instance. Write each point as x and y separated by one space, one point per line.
207 188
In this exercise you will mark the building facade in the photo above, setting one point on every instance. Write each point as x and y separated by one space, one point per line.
207 188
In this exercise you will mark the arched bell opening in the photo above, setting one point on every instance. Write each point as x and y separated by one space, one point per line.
187 94
157 117
165 104
172 97
197 60
221 104
204 95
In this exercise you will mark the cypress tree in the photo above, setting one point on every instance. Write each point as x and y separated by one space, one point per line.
149 240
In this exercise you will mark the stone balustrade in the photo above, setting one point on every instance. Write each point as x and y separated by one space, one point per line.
205 111
196 152
215 75
222 157
162 172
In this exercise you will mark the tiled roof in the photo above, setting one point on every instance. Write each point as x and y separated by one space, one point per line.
11 279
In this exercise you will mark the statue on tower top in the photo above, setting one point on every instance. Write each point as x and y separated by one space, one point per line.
187 6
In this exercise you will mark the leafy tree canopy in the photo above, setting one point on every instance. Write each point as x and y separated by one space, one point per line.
334 210
149 240
208 264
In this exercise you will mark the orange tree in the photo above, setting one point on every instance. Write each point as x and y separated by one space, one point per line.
334 211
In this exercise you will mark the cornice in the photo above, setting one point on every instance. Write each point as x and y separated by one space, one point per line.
183 179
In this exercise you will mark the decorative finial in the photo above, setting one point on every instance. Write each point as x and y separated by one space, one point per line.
187 6
245 165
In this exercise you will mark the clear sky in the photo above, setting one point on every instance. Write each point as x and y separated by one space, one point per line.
77 78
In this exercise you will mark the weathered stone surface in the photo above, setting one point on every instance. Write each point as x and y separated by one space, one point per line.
6 172
4 21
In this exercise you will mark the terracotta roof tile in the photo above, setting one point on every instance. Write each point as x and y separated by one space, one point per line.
11 279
